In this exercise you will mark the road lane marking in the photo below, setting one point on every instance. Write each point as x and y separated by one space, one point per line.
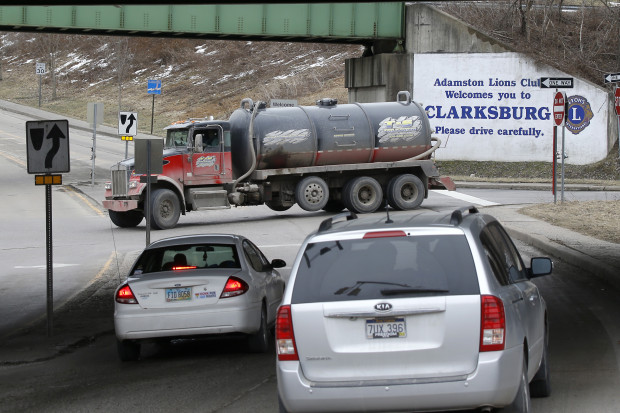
73 192
13 158
56 265
466 198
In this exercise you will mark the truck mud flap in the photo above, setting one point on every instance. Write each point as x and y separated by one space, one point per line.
444 182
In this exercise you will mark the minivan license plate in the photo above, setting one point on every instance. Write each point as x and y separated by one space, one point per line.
386 328
178 294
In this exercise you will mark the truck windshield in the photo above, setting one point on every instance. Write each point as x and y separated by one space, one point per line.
176 138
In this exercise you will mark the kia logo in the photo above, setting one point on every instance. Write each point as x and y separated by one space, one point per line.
383 307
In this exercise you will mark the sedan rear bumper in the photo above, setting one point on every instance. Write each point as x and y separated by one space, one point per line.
494 383
144 324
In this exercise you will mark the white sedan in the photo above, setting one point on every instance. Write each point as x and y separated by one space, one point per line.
198 285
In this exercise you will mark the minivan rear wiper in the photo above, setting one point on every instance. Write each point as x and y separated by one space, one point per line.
354 290
400 291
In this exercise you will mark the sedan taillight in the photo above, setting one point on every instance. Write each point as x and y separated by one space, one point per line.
492 324
285 337
234 287
124 295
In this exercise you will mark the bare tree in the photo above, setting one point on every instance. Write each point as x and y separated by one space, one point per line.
49 46
122 62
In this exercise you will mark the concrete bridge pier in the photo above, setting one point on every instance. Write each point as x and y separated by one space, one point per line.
379 77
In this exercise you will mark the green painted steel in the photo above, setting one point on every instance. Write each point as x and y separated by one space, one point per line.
330 22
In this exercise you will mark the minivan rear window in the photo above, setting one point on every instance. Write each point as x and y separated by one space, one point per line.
376 268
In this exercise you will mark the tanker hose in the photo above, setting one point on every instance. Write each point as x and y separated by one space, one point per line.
428 152
251 138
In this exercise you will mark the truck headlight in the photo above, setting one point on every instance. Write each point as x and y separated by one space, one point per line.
133 184
107 186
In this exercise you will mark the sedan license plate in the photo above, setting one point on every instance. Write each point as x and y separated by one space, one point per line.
386 328
178 294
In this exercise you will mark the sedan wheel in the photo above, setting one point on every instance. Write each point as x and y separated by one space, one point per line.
259 341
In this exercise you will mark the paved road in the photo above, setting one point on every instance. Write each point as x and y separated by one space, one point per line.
78 370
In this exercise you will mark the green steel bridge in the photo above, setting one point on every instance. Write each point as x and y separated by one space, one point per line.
361 23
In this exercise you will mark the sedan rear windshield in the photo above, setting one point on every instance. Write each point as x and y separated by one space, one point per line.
186 257
376 268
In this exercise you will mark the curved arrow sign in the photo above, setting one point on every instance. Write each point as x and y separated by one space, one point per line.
47 146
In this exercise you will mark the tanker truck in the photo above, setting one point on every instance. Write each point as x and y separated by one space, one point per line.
324 157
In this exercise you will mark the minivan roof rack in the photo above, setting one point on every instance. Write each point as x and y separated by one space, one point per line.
327 224
457 215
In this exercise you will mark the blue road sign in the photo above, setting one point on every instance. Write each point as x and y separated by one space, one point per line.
153 87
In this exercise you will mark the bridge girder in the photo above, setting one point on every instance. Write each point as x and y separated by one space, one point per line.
363 23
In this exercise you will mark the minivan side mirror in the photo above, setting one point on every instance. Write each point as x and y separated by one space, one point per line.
540 266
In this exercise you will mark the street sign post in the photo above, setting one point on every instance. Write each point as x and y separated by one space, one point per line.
47 148
40 70
559 108
153 87
94 116
617 105
559 119
148 160
556 82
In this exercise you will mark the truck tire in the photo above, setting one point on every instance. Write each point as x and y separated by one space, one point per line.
312 193
362 195
165 209
126 219
405 192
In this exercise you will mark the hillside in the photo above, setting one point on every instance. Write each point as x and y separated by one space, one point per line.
199 78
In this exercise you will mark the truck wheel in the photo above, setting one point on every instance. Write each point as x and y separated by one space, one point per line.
277 207
312 193
362 195
126 219
405 192
165 209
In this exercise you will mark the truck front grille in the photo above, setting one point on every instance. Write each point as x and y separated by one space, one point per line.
120 182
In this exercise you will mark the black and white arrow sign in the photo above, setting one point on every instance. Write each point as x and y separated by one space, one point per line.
128 123
612 77
556 82
47 146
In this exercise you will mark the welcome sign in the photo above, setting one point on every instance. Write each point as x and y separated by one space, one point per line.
490 106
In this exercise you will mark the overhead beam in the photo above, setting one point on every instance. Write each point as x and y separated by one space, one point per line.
327 22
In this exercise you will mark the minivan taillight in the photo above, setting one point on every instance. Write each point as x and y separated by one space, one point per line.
492 324
285 337
124 295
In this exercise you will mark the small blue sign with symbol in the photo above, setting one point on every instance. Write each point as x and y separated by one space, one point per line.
153 87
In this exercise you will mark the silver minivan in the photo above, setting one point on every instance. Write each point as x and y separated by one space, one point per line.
425 312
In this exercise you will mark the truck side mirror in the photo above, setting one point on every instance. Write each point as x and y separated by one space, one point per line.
198 143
